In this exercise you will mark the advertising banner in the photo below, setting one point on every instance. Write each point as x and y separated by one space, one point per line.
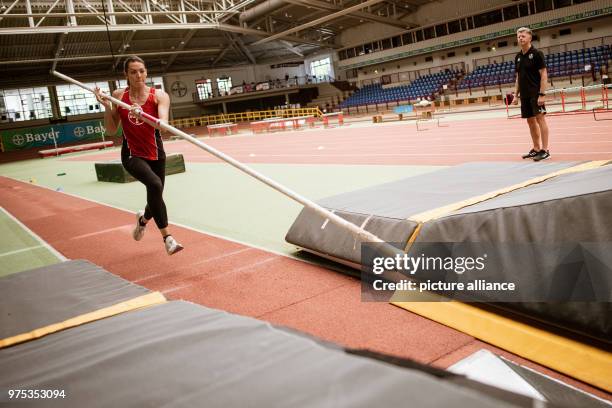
26 138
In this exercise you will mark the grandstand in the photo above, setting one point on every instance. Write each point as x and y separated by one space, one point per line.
558 65
424 87
308 140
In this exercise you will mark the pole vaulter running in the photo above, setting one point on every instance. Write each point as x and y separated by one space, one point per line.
358 232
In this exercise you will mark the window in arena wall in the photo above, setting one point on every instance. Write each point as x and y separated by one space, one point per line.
224 84
407 38
523 9
543 5
204 88
396 41
321 69
419 35
510 13
441 30
74 100
454 27
488 18
24 104
430 33
562 3
532 7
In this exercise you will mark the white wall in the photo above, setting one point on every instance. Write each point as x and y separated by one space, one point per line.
265 72
184 106
512 24
366 32
426 15
600 28
444 10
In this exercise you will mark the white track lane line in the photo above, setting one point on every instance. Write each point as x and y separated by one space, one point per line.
43 243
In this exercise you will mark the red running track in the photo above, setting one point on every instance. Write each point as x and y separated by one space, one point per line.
573 138
226 275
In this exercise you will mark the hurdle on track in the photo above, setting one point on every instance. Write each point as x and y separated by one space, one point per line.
572 101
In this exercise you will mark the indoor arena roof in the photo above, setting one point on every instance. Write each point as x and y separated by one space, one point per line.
87 38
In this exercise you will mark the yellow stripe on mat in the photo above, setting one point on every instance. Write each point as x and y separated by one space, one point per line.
578 360
140 302
447 209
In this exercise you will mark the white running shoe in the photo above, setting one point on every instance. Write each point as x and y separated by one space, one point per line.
172 247
139 230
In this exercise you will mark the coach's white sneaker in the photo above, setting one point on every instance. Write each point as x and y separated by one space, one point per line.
139 230
172 247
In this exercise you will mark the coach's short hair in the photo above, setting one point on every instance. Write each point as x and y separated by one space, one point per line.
525 30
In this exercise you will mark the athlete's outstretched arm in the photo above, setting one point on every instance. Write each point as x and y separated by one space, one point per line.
163 105
111 115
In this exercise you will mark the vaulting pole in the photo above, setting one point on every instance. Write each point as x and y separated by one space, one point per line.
158 123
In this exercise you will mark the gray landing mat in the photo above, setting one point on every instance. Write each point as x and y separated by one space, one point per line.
383 209
568 222
571 212
52 294
555 391
183 355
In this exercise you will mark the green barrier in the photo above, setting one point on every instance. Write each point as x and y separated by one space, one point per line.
114 172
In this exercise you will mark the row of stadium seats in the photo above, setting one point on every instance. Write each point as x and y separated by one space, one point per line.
422 87
561 64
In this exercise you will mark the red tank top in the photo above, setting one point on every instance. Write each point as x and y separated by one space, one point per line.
141 139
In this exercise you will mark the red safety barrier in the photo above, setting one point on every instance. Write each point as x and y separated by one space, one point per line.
222 128
77 148
339 116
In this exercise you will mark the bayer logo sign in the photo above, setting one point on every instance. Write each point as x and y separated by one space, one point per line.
18 140
79 131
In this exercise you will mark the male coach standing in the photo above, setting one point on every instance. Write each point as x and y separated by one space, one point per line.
531 79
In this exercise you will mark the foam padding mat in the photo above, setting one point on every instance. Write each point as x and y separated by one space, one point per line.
183 355
43 300
113 171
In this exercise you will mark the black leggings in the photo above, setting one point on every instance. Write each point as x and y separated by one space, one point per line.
151 173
